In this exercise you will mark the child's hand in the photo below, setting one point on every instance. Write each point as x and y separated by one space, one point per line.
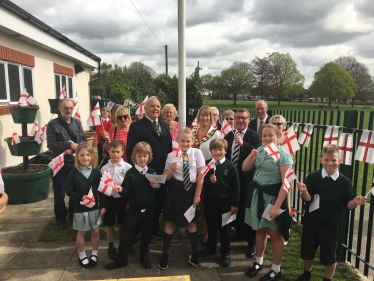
105 135
174 166
117 188
234 210
360 200
213 178
127 207
84 197
154 184
301 187
254 153
196 200
274 212
103 210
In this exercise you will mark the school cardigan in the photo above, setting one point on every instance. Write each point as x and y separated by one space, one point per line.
78 186
137 189
333 197
227 186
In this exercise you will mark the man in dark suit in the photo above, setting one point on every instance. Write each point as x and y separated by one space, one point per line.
262 116
157 134
240 144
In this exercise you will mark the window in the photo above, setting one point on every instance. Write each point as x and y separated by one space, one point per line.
13 79
62 80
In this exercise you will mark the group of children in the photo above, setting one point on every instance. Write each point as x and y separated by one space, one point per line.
132 201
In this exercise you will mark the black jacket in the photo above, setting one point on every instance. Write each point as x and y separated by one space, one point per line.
253 124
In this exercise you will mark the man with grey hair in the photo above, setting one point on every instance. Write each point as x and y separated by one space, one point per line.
64 133
156 133
262 116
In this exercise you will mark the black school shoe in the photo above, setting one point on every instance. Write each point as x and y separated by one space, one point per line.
62 224
303 277
254 270
271 276
116 264
87 265
251 252
193 259
206 252
93 262
144 260
226 260
163 261
112 253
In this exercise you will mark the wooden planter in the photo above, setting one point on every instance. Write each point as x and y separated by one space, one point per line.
92 134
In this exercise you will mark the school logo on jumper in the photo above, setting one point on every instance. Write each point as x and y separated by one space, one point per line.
225 172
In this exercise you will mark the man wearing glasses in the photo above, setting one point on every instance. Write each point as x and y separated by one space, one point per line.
241 141
63 135
156 133
262 116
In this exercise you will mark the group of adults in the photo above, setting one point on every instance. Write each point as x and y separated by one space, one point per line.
64 133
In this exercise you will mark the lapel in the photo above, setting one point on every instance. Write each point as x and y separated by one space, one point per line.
230 139
149 125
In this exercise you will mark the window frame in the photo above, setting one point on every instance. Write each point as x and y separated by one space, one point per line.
67 88
21 80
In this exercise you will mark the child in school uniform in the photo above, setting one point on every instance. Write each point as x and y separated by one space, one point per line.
183 191
321 225
115 203
85 176
105 117
222 192
140 196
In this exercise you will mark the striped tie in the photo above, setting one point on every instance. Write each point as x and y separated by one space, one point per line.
235 154
186 172
261 124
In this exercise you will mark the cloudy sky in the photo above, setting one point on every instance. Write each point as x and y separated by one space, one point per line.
218 33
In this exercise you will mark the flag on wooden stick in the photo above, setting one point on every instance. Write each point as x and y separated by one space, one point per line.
226 128
272 151
90 200
106 184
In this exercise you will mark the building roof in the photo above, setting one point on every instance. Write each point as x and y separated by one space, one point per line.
13 8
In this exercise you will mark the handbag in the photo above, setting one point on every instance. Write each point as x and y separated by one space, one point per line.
106 156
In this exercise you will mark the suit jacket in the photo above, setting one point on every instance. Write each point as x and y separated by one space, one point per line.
251 140
144 130
253 124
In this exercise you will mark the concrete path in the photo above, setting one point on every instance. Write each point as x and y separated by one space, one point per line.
23 258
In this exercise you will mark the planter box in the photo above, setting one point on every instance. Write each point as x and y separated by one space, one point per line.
24 148
23 114
92 134
26 188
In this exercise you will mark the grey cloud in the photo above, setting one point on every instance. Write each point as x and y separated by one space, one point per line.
365 7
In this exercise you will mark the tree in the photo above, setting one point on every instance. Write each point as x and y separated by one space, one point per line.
261 68
235 80
332 81
358 71
367 94
142 70
285 77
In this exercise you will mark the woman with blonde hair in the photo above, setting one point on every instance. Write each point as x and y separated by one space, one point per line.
169 113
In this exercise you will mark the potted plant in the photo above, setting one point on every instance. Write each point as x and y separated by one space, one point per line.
25 183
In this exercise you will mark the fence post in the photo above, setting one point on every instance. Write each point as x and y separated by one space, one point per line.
350 121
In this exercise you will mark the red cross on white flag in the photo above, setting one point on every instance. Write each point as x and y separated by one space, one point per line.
272 151
365 150
77 115
34 129
96 110
295 126
57 163
209 166
140 109
15 137
126 103
226 128
176 149
106 184
194 124
26 99
305 136
1 182
94 118
110 105
62 93
331 135
40 135
290 175
289 142
90 200
346 148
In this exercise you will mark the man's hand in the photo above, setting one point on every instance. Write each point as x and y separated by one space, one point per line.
238 139
73 145
234 210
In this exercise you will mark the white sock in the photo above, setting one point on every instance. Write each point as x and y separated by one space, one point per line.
260 261
276 268
94 252
82 255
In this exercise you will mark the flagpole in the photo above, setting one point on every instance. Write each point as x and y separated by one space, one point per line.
368 193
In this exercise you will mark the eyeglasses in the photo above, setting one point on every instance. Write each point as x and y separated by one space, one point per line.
277 124
122 117
68 108
229 119
241 117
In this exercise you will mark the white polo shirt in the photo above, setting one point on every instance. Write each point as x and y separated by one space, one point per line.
195 160
118 172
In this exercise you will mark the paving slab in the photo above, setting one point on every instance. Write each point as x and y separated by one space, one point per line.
8 251
31 274
21 232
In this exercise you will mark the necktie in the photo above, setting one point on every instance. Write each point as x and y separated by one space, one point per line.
235 152
105 121
154 122
186 172
261 123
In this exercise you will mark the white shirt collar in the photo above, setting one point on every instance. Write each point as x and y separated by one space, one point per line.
222 160
334 176
188 151
151 119
140 169
120 163
242 132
